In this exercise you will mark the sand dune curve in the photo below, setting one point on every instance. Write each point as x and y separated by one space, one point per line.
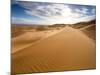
68 50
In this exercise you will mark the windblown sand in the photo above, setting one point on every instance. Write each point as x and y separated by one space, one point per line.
68 49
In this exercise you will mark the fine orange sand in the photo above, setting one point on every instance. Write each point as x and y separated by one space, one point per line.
69 49
29 38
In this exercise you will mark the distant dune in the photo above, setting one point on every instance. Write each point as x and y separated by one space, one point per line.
89 28
69 49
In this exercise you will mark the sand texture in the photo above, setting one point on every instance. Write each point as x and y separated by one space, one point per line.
66 49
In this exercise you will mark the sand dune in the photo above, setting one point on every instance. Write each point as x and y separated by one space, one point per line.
67 50
90 31
29 38
24 40
87 27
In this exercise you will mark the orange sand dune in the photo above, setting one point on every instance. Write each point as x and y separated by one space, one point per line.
70 49
29 38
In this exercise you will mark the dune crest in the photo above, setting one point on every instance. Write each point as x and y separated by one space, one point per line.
69 49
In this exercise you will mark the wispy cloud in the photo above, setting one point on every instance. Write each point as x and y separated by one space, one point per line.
57 13
21 20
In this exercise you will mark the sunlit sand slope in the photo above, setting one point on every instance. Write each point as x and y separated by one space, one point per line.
69 49
29 38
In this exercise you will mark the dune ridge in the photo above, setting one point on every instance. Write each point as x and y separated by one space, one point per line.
67 50
33 41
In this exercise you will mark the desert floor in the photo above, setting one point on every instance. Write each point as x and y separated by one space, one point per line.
53 50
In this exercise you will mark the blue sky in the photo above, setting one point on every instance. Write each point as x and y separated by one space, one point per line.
50 13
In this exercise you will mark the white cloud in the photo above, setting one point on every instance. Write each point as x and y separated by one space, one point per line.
56 13
27 21
83 10
93 11
21 20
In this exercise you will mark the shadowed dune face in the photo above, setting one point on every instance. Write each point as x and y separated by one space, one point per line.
69 49
89 28
91 32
